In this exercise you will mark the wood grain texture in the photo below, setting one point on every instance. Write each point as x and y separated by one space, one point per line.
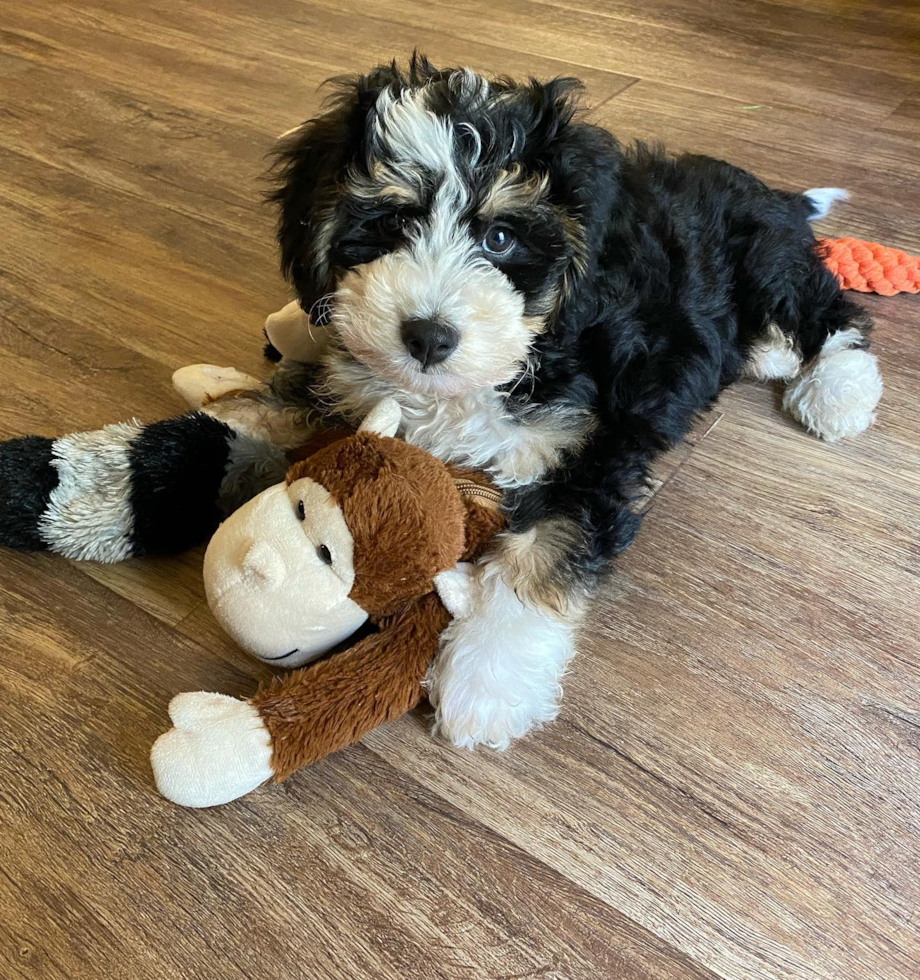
732 788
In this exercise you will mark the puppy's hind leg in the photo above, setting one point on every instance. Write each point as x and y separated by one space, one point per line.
837 393
774 357
840 386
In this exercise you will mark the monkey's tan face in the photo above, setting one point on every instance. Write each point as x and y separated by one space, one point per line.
278 573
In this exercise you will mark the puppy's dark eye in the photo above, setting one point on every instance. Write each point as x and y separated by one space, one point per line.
325 555
301 513
393 224
499 240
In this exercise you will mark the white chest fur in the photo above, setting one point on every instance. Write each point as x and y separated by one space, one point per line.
476 429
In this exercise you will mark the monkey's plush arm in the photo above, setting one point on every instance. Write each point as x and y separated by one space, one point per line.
222 748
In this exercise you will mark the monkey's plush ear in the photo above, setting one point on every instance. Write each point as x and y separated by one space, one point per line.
455 589
383 419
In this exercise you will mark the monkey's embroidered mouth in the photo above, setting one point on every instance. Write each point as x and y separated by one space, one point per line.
290 653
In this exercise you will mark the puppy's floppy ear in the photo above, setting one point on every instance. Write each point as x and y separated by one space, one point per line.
585 164
552 105
309 161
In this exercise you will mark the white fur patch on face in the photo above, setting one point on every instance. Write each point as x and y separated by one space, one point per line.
439 273
435 280
411 133
89 515
408 143
837 394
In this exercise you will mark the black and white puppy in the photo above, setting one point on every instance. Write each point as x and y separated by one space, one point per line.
552 306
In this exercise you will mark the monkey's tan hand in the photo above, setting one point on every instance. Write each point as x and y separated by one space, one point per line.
218 751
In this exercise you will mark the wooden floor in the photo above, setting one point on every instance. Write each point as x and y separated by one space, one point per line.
733 788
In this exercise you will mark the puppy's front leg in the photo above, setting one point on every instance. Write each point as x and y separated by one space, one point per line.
499 669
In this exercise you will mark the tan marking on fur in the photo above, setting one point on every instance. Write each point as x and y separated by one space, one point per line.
534 564
536 324
512 192
575 233
256 413
383 182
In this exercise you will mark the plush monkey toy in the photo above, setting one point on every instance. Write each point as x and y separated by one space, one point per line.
367 530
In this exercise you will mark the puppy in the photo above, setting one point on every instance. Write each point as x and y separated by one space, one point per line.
551 306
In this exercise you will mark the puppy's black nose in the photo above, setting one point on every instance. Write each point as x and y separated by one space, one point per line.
429 341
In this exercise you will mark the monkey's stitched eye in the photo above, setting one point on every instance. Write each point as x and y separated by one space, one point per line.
301 513
325 555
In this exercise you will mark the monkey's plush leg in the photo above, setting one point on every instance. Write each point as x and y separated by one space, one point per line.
292 334
222 748
202 384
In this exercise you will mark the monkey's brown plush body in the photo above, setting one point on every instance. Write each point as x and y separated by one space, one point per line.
366 528
328 705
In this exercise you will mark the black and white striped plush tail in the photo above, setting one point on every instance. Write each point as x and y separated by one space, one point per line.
129 489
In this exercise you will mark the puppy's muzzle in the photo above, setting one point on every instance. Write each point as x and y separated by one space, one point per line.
429 341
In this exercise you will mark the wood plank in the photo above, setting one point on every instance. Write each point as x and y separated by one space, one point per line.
739 740
219 78
338 875
867 36
727 64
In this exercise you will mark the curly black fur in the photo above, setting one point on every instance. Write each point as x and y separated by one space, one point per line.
695 258
667 269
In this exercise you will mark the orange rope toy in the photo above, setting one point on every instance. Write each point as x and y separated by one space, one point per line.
871 268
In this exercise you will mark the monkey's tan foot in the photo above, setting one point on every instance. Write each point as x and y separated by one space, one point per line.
292 334
201 384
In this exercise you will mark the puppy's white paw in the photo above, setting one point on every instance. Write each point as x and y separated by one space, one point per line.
218 751
498 672
201 384
838 394
466 717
